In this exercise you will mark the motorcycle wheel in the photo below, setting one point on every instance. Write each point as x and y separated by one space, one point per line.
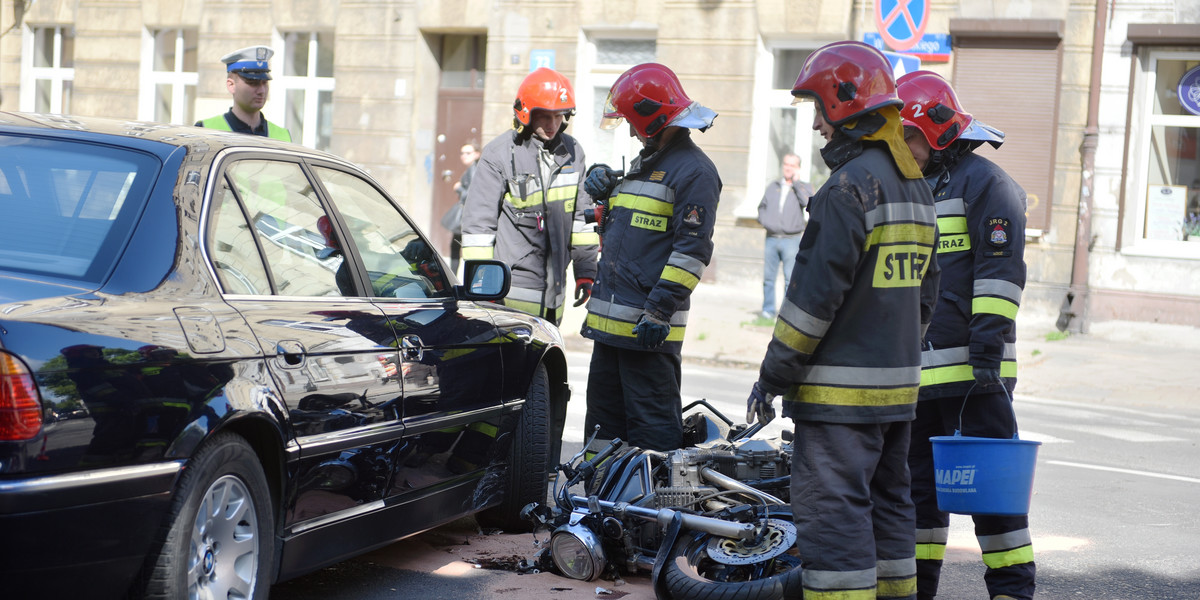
692 574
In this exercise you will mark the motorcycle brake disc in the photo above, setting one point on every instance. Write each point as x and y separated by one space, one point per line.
778 538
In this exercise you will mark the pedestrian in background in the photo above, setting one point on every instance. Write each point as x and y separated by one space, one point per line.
782 213
970 368
525 204
452 220
247 73
846 351
657 235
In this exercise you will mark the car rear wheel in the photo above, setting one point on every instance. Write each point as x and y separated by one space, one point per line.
217 542
527 459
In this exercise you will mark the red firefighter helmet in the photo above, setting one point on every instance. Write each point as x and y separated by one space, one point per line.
931 106
543 89
651 98
847 79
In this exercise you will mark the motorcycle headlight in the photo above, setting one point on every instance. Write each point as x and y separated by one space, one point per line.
577 552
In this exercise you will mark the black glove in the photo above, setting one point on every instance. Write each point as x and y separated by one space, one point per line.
985 377
600 181
583 291
759 405
651 331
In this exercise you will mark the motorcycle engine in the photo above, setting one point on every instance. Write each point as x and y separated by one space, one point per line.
748 461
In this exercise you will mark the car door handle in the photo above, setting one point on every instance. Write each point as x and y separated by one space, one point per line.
291 352
411 348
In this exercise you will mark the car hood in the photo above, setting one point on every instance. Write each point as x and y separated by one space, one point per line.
15 288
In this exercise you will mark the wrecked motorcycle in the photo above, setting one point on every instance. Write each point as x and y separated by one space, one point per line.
709 520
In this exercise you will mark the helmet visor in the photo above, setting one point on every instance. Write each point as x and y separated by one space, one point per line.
611 119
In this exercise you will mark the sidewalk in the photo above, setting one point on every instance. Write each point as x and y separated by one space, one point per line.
1140 364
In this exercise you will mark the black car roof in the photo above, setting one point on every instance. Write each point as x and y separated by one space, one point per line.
157 138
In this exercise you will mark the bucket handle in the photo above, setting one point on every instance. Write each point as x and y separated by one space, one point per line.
958 432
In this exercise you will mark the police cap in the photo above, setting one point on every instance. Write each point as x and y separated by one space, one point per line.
250 63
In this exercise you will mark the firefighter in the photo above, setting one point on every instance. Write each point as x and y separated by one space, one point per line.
970 348
525 206
846 350
658 227
247 76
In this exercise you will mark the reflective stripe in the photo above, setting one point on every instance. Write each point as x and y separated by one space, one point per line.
937 535
959 355
485 428
605 308
534 308
803 320
900 587
839 396
585 239
951 225
677 275
625 328
649 189
931 551
998 287
960 373
794 338
900 212
838 580
479 239
558 193
1004 541
865 594
951 207
900 567
688 263
901 233
1008 558
994 306
879 377
532 295
477 253
646 205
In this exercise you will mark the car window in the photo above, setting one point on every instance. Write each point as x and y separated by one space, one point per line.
399 262
68 206
287 218
232 249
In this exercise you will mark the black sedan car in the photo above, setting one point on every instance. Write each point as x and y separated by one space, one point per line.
226 361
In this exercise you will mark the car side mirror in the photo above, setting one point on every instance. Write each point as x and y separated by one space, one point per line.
486 280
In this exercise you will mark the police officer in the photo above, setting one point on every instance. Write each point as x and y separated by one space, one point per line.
970 355
247 74
657 240
846 352
524 204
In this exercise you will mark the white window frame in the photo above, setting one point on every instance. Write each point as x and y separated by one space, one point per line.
1142 122
766 98
590 75
177 78
311 85
56 73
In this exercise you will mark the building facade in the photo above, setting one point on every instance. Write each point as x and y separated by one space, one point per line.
1100 101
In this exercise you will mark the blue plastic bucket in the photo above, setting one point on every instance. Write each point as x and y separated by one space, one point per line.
983 476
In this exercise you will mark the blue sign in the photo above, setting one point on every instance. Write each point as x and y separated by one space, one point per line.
541 58
1189 90
902 64
933 47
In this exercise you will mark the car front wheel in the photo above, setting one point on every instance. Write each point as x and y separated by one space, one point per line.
217 541
527 459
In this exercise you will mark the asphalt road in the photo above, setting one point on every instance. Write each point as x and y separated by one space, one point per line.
1113 517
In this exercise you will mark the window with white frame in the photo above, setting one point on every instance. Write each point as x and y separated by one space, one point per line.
303 80
602 59
1168 149
167 93
47 69
779 126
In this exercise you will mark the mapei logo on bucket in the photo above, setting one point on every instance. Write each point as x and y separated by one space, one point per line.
962 475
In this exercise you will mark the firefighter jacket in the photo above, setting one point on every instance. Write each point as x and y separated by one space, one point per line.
525 207
657 242
981 220
847 343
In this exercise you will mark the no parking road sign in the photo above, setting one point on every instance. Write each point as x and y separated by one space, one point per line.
901 23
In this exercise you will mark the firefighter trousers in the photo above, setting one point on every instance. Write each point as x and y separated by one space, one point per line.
1004 540
634 395
852 509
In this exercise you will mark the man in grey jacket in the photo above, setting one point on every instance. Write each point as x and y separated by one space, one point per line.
782 213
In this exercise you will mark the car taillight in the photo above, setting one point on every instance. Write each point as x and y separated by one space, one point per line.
20 410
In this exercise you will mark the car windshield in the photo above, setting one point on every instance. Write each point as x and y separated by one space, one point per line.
68 206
